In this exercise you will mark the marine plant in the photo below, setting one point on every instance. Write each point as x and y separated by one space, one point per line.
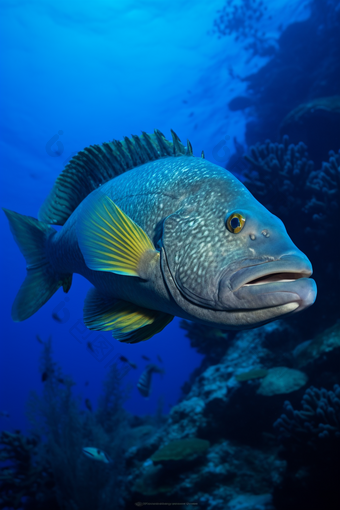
81 483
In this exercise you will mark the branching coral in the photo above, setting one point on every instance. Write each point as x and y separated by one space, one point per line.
317 425
278 174
311 447
325 187
284 180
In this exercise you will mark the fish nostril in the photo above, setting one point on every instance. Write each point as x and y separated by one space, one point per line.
265 233
252 237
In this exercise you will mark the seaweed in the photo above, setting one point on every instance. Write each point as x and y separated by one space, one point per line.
81 483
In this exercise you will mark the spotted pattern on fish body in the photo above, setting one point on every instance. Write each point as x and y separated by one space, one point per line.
159 233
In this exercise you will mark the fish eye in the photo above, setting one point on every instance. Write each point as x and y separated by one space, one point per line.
235 222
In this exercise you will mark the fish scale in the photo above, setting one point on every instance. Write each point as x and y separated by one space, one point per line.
159 233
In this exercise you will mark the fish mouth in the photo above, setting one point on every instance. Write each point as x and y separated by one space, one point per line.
270 284
235 306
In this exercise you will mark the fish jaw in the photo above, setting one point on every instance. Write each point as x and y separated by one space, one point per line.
269 284
238 317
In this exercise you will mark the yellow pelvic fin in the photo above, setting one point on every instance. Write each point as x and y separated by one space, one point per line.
128 322
108 239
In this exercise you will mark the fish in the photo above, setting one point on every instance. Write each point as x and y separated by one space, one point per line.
56 317
96 454
90 346
159 233
44 376
145 357
159 358
86 383
88 404
125 360
39 339
61 380
144 383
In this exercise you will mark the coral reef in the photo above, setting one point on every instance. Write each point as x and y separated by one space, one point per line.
211 342
278 175
325 187
317 425
283 179
305 66
281 380
25 476
251 374
316 123
243 467
312 350
311 447
181 449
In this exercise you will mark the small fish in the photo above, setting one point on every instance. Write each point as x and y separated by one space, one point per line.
125 360
159 358
88 404
5 414
90 346
39 339
145 357
44 376
97 454
60 380
144 383
197 245
56 317
86 383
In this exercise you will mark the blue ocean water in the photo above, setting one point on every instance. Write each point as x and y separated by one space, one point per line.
76 74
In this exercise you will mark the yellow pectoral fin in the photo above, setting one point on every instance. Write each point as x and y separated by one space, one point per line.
128 322
108 239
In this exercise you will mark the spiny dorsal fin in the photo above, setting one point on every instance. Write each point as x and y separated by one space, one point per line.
98 164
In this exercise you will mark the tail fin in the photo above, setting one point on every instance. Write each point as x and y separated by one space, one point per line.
41 281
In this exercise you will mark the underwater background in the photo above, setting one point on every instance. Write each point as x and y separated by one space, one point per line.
236 420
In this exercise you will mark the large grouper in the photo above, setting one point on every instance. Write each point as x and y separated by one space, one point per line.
159 233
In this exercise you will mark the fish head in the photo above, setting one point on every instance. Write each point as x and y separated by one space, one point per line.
228 261
96 454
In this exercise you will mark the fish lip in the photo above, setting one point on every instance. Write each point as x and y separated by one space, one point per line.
270 283
295 266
